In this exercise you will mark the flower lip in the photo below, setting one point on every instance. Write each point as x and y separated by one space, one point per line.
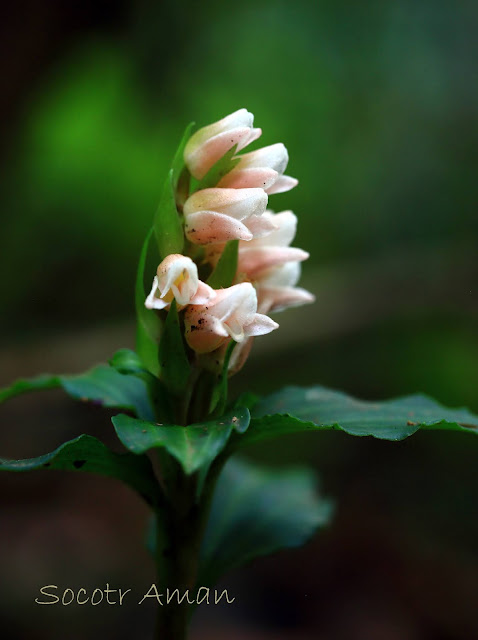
177 278
232 314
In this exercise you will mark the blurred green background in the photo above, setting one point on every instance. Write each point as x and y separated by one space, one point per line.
377 104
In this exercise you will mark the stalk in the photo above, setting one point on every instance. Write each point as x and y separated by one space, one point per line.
180 529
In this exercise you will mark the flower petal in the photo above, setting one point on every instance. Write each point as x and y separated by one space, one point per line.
260 226
275 299
260 325
274 156
262 177
238 203
153 301
282 184
204 332
205 227
286 226
286 275
238 301
253 261
204 294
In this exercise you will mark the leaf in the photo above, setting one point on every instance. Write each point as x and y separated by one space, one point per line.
86 453
217 171
174 363
101 385
257 511
178 160
148 330
194 446
226 268
296 409
167 224
24 385
126 361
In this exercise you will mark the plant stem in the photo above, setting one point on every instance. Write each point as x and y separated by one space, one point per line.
180 529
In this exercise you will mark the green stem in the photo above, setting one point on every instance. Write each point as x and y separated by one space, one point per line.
180 530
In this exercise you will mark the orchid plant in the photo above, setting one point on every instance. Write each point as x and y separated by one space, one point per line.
225 264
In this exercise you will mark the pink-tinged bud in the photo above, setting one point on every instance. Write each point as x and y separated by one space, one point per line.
177 278
209 144
272 250
231 314
261 168
215 215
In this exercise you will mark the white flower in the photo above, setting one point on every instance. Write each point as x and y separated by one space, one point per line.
274 267
214 216
260 254
231 314
209 144
262 168
276 289
177 277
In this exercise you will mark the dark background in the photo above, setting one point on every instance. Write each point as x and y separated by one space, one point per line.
377 104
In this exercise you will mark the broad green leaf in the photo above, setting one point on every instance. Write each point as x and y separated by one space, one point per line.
86 453
105 386
173 360
148 330
194 446
257 511
101 385
226 268
296 409
217 171
167 224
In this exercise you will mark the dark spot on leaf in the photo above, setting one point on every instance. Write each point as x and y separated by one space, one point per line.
411 424
79 463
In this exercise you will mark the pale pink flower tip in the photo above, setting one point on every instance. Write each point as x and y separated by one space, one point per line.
209 144
217 215
261 168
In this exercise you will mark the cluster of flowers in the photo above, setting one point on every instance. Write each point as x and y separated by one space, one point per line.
236 208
